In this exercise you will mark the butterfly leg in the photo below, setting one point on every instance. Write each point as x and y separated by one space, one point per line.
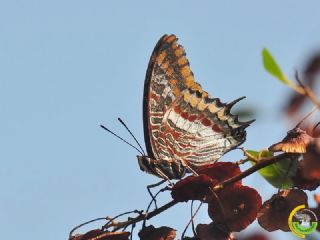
192 171
165 179
153 198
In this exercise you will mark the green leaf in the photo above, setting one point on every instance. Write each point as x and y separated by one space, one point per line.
280 173
272 67
260 154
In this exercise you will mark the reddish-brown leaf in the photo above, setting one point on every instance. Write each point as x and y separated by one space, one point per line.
256 236
221 171
161 233
311 161
237 207
214 231
98 234
301 182
296 141
87 235
275 212
316 210
192 188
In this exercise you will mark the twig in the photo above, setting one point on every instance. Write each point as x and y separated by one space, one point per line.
85 223
261 164
153 200
307 91
131 221
191 219
192 223
111 220
314 129
144 216
308 115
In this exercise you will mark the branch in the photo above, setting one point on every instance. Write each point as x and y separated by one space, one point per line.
307 91
144 216
261 164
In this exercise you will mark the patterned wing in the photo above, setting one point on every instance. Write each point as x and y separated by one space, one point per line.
168 74
181 122
198 130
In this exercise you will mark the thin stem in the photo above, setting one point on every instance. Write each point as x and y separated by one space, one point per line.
308 115
192 223
306 90
85 223
299 89
147 216
191 220
314 129
154 199
131 232
313 98
261 164
111 220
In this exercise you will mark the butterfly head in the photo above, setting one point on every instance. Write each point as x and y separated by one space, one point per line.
145 163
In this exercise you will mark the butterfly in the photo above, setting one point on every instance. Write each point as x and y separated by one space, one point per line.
184 128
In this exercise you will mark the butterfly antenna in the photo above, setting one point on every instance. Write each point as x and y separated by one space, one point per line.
122 122
142 153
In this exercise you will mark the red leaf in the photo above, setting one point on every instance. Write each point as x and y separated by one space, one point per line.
221 171
192 188
161 233
296 141
214 231
237 207
275 212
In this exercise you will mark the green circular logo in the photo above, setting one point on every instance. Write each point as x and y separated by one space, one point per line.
302 221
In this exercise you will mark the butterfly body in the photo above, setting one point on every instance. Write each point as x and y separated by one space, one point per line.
162 168
184 128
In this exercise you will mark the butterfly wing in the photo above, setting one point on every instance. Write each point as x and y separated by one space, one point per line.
167 75
198 129
181 122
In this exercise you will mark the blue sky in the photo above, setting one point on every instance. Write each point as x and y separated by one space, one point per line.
68 66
